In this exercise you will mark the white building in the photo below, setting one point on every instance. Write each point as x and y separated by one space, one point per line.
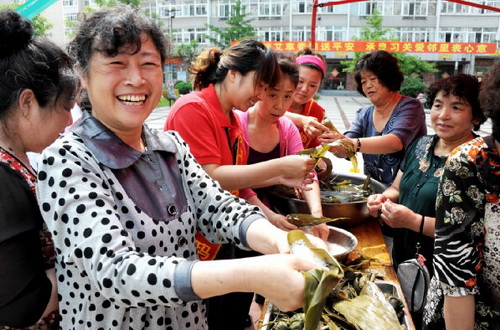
290 20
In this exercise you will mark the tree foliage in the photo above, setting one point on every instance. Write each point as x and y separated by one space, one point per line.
373 30
412 86
238 28
41 25
188 52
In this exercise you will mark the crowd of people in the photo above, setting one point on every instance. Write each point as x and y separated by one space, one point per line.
120 225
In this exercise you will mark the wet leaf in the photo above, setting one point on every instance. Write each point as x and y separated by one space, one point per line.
302 219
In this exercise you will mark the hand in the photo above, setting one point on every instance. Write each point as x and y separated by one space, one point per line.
329 137
281 222
312 127
280 280
398 216
338 151
374 204
324 168
296 166
320 231
297 183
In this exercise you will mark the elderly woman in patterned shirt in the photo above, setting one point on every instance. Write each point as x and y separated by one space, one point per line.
408 205
465 291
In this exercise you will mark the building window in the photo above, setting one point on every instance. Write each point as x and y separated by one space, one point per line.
367 8
415 8
301 33
224 10
185 36
302 7
271 34
334 9
69 3
331 33
452 35
198 8
70 23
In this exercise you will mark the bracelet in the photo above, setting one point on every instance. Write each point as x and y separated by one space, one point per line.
359 144
422 225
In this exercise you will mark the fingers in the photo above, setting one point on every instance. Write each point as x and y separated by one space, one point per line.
320 231
330 137
287 226
313 128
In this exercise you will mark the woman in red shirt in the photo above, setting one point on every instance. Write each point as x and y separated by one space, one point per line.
305 112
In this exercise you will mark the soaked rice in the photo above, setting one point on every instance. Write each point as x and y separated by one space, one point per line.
300 248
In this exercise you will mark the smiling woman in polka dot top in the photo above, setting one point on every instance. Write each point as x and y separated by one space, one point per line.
123 202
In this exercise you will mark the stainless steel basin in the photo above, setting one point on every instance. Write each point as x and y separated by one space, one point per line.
356 212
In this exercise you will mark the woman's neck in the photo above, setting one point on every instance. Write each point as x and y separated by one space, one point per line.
223 97
445 147
258 123
296 107
16 149
385 108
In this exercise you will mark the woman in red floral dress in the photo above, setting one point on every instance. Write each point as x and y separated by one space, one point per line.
37 92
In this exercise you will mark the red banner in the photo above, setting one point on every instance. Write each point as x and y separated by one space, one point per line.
390 46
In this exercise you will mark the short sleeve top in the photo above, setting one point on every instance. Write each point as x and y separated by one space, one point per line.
407 122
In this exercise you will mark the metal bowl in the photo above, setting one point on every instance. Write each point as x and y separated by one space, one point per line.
340 242
355 212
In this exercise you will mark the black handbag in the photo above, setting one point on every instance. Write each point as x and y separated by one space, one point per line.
414 279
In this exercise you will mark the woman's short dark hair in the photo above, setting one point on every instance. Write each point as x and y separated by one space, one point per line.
463 86
33 63
384 66
288 68
488 96
213 64
111 29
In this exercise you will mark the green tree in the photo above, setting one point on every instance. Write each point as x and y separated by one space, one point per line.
238 28
41 25
412 86
187 51
373 30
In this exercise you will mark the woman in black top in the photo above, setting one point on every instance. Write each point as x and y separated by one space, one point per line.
37 91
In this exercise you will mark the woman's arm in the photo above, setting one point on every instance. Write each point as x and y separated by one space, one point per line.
313 199
276 277
384 144
233 177
25 289
309 124
53 302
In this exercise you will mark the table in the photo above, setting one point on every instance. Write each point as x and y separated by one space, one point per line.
370 244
